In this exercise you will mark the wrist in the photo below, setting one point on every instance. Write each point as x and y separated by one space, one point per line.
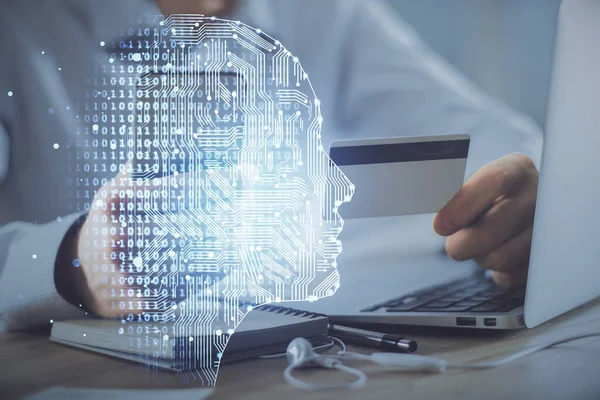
69 279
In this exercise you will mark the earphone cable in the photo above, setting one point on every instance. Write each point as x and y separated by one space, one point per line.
361 377
518 355
407 362
320 348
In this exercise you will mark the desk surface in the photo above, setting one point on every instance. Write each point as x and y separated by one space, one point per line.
29 363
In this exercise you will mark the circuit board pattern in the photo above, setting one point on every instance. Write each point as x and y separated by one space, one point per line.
232 199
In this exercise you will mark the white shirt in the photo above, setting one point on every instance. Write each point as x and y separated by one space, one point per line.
373 75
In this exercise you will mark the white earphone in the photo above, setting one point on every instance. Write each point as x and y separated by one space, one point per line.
300 354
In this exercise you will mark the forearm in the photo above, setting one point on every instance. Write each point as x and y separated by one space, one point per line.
28 293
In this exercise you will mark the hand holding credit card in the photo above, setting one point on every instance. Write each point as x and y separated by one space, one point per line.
488 219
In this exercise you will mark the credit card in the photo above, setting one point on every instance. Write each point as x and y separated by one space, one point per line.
401 176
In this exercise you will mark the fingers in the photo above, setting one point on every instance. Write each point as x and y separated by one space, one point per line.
512 280
115 294
502 177
118 306
125 188
511 256
127 178
491 219
507 219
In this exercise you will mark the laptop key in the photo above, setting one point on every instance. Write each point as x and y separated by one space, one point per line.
480 298
481 286
408 306
471 292
401 300
409 301
497 290
438 304
391 303
453 298
468 303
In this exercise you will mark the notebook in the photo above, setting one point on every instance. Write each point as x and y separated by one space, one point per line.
265 330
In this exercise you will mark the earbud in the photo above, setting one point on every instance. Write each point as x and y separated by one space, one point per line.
299 351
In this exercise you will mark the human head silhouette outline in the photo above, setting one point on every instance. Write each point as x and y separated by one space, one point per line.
240 200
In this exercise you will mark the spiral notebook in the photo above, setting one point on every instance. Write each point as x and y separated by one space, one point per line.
266 330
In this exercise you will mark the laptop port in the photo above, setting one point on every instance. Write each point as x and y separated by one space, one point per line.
489 321
466 321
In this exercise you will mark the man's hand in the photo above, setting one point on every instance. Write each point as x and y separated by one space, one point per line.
99 245
114 279
491 219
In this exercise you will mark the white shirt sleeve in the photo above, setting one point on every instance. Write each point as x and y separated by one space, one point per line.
394 85
28 296
28 251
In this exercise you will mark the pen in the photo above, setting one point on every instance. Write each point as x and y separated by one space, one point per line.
378 340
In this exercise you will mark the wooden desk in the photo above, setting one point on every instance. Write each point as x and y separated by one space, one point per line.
29 363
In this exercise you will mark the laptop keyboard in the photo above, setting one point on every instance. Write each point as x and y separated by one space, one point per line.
479 294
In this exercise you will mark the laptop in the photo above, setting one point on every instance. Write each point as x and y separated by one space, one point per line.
394 269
